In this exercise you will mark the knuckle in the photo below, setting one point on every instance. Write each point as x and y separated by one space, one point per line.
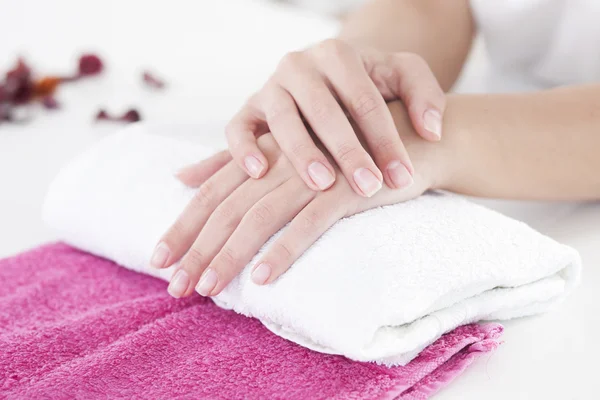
229 256
204 195
384 144
412 60
176 232
364 105
261 213
280 112
284 252
300 150
346 154
290 61
310 220
194 258
331 48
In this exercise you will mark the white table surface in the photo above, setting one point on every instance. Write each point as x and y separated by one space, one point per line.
213 54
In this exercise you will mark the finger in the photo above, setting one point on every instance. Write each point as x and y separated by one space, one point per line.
269 215
180 236
220 225
369 111
241 133
318 216
330 124
195 174
292 136
414 83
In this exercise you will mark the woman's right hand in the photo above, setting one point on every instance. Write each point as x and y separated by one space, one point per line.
323 87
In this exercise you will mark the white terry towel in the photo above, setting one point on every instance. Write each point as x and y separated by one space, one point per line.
389 282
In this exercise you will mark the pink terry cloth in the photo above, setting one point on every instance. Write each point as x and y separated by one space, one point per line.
73 325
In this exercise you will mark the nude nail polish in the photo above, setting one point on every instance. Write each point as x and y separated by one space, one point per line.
253 166
320 175
399 175
261 273
366 181
160 256
179 284
207 282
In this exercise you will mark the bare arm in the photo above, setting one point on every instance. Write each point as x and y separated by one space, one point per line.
543 145
440 31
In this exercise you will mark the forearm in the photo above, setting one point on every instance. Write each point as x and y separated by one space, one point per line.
440 31
543 145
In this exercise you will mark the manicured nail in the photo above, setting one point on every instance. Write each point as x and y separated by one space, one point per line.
432 120
320 175
207 283
367 181
399 174
261 273
160 256
179 284
253 166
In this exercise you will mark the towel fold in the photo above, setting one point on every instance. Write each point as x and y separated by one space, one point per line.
391 280
76 326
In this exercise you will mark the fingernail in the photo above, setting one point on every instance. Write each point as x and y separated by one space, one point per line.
254 166
160 256
179 284
432 120
399 174
320 175
207 283
261 273
367 181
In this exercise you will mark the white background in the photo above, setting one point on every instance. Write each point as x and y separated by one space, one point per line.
213 54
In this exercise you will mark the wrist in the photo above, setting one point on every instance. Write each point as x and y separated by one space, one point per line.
434 162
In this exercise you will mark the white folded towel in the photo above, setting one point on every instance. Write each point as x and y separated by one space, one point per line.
378 286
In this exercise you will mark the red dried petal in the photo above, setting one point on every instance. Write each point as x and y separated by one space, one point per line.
102 115
50 103
130 116
46 86
5 112
90 64
18 85
151 80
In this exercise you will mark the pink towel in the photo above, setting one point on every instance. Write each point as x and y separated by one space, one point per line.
73 325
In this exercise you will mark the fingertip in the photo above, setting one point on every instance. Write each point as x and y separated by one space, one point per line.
160 256
321 176
255 165
261 273
368 183
179 283
398 175
432 123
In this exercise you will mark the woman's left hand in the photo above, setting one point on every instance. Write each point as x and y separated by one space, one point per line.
231 217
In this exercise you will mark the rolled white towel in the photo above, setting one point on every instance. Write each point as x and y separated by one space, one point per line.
378 286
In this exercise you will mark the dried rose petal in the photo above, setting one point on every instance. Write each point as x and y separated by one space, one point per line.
46 86
3 94
50 103
90 64
5 112
130 116
18 85
102 115
151 80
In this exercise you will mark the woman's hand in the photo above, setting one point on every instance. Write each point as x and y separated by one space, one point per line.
232 217
322 86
